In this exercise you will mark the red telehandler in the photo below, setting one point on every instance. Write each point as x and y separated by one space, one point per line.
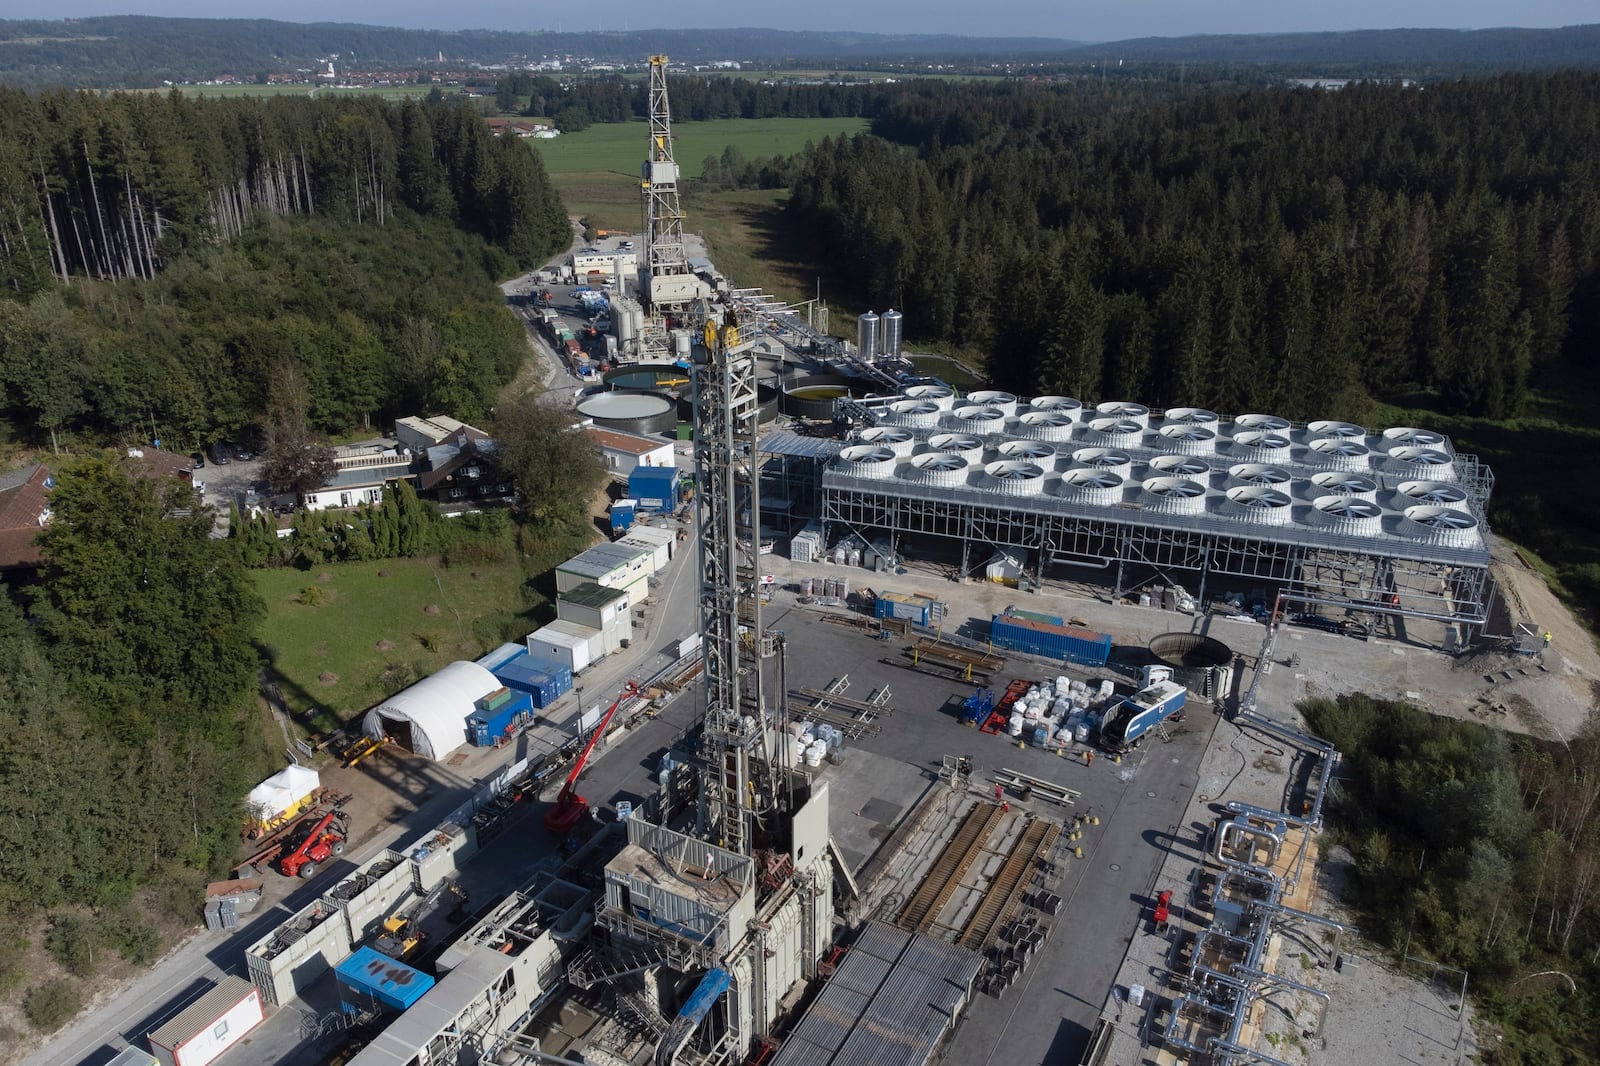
571 807
324 841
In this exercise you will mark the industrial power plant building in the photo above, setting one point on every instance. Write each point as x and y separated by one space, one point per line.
1326 512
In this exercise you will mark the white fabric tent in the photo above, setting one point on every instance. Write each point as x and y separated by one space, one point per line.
282 791
434 710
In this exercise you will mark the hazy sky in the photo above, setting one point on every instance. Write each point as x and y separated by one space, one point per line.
1077 19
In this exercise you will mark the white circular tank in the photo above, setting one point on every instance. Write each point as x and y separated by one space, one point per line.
1065 404
1258 474
914 414
1434 493
1004 401
965 445
1100 487
1124 409
1441 525
1411 437
897 439
1116 432
1424 463
1179 466
973 418
1188 438
942 395
1015 477
1103 459
867 460
1329 428
1339 453
1173 495
1258 423
1344 483
1262 446
939 468
1043 425
1033 451
1189 416
1353 515
1256 503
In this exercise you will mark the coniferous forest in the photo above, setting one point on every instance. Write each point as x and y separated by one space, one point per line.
1298 251
160 254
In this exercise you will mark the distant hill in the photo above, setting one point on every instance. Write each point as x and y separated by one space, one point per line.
140 50
1503 48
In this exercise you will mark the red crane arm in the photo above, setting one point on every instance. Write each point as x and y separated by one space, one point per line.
630 689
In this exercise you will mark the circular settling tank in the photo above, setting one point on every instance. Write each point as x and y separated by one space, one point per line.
812 396
1192 657
645 413
649 377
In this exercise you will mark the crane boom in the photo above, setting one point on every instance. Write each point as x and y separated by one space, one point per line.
570 806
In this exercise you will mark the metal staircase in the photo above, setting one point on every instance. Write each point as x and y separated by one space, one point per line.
595 966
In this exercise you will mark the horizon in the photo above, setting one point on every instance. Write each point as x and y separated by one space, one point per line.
1072 21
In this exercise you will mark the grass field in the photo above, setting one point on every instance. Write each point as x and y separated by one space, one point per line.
372 633
619 147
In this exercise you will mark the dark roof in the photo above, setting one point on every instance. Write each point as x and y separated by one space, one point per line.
24 496
156 463
464 446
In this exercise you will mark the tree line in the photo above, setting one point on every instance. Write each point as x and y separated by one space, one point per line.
113 186
1294 250
162 255
1480 851
576 103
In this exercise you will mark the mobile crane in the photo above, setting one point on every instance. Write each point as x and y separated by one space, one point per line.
323 841
570 807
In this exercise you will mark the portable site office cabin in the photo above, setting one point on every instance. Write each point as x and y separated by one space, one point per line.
567 644
211 1025
659 540
598 608
612 566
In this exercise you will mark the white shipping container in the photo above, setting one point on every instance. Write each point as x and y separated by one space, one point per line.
214 1023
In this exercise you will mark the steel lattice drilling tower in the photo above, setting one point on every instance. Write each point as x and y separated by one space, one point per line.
668 284
738 782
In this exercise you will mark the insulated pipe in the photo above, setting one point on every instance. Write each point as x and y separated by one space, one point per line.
1250 1053
1241 826
1327 1000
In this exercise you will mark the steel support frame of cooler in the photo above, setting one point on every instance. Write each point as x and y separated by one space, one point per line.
1439 583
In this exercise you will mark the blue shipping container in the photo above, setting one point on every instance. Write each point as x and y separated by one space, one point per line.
1050 642
654 488
914 611
486 726
621 515
543 681
369 975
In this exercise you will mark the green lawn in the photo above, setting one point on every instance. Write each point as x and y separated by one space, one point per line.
366 604
620 147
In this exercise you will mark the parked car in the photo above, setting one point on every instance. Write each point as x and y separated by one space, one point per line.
243 454
199 460
219 453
